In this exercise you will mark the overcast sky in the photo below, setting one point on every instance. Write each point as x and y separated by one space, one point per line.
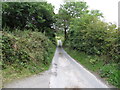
109 8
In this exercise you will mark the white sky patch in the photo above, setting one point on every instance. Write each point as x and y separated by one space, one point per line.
109 8
56 3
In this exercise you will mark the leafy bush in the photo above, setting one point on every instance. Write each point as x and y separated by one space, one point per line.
26 50
111 73
95 38
27 15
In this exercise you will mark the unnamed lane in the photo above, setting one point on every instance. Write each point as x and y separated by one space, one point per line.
67 73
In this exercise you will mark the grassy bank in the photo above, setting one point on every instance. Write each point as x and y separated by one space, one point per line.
25 53
109 72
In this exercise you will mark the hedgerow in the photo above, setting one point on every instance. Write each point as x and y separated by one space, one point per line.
25 50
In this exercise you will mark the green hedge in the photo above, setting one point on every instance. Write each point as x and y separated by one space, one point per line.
95 38
25 50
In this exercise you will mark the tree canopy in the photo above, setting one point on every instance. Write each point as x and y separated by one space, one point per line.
70 10
27 15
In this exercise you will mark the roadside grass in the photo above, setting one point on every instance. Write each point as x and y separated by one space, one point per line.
11 74
25 53
90 62
110 72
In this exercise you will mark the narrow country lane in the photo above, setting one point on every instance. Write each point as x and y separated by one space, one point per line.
65 72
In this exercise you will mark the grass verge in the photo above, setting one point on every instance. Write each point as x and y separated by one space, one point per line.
110 72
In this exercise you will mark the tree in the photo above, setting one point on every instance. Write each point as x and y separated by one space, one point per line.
71 10
28 15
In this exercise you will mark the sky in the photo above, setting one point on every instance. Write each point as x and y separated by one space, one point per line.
109 8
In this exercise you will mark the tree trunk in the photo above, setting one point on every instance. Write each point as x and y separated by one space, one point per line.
65 33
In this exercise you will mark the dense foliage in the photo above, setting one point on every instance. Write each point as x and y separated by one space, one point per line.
88 33
29 15
27 39
26 50
95 37
68 11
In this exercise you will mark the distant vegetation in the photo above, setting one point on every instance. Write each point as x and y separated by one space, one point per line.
86 32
